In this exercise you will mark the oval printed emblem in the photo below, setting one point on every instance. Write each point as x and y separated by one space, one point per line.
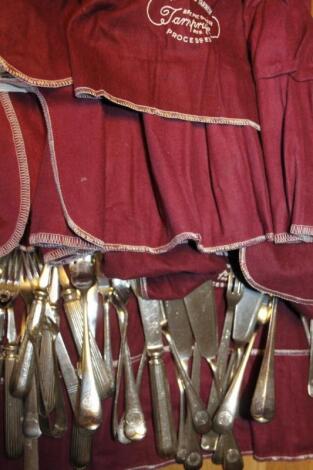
191 24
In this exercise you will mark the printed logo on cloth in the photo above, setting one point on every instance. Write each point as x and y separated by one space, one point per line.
185 21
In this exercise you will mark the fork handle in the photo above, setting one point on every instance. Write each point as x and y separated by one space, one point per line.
13 412
162 409
21 377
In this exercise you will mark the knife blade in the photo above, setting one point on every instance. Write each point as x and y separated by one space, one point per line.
201 311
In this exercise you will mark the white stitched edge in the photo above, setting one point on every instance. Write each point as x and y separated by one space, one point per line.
20 152
34 81
266 290
86 92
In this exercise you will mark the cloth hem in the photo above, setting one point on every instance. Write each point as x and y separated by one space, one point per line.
86 92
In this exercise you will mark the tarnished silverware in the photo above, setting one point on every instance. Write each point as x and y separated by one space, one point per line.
46 363
89 404
53 419
200 416
201 311
246 315
180 331
106 290
162 409
74 314
263 401
232 458
81 447
23 370
13 406
31 426
193 460
121 437
31 457
234 293
134 421
9 278
227 412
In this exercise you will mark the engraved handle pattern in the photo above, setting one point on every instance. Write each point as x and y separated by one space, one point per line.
263 401
46 366
134 426
81 447
200 417
13 415
74 316
227 412
31 428
89 406
23 369
162 409
31 457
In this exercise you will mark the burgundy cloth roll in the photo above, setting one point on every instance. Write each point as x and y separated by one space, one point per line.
33 44
149 184
166 276
14 178
182 59
282 270
283 69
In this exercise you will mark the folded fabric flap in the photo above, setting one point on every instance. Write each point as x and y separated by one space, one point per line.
140 55
37 50
181 259
14 178
281 270
280 38
167 183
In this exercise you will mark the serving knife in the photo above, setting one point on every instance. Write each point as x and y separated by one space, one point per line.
162 409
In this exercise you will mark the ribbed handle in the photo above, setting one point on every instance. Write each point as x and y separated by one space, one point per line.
162 409
46 366
31 426
74 316
31 457
23 369
81 447
14 440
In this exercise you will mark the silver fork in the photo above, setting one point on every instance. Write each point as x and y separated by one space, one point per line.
234 293
105 290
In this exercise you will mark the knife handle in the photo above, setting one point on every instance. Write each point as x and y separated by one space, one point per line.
21 378
81 447
31 427
200 416
14 439
162 409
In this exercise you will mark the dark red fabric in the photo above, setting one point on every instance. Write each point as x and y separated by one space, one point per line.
14 179
149 184
31 122
33 43
281 48
283 270
147 54
183 258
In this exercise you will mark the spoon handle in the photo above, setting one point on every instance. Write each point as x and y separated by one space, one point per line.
13 411
263 401
89 406
227 412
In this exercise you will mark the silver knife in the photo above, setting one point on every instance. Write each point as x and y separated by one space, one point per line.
180 331
162 408
201 311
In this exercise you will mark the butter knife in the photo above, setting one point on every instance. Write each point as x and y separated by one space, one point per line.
162 409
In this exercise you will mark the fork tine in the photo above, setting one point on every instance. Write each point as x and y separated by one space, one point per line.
10 267
230 281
